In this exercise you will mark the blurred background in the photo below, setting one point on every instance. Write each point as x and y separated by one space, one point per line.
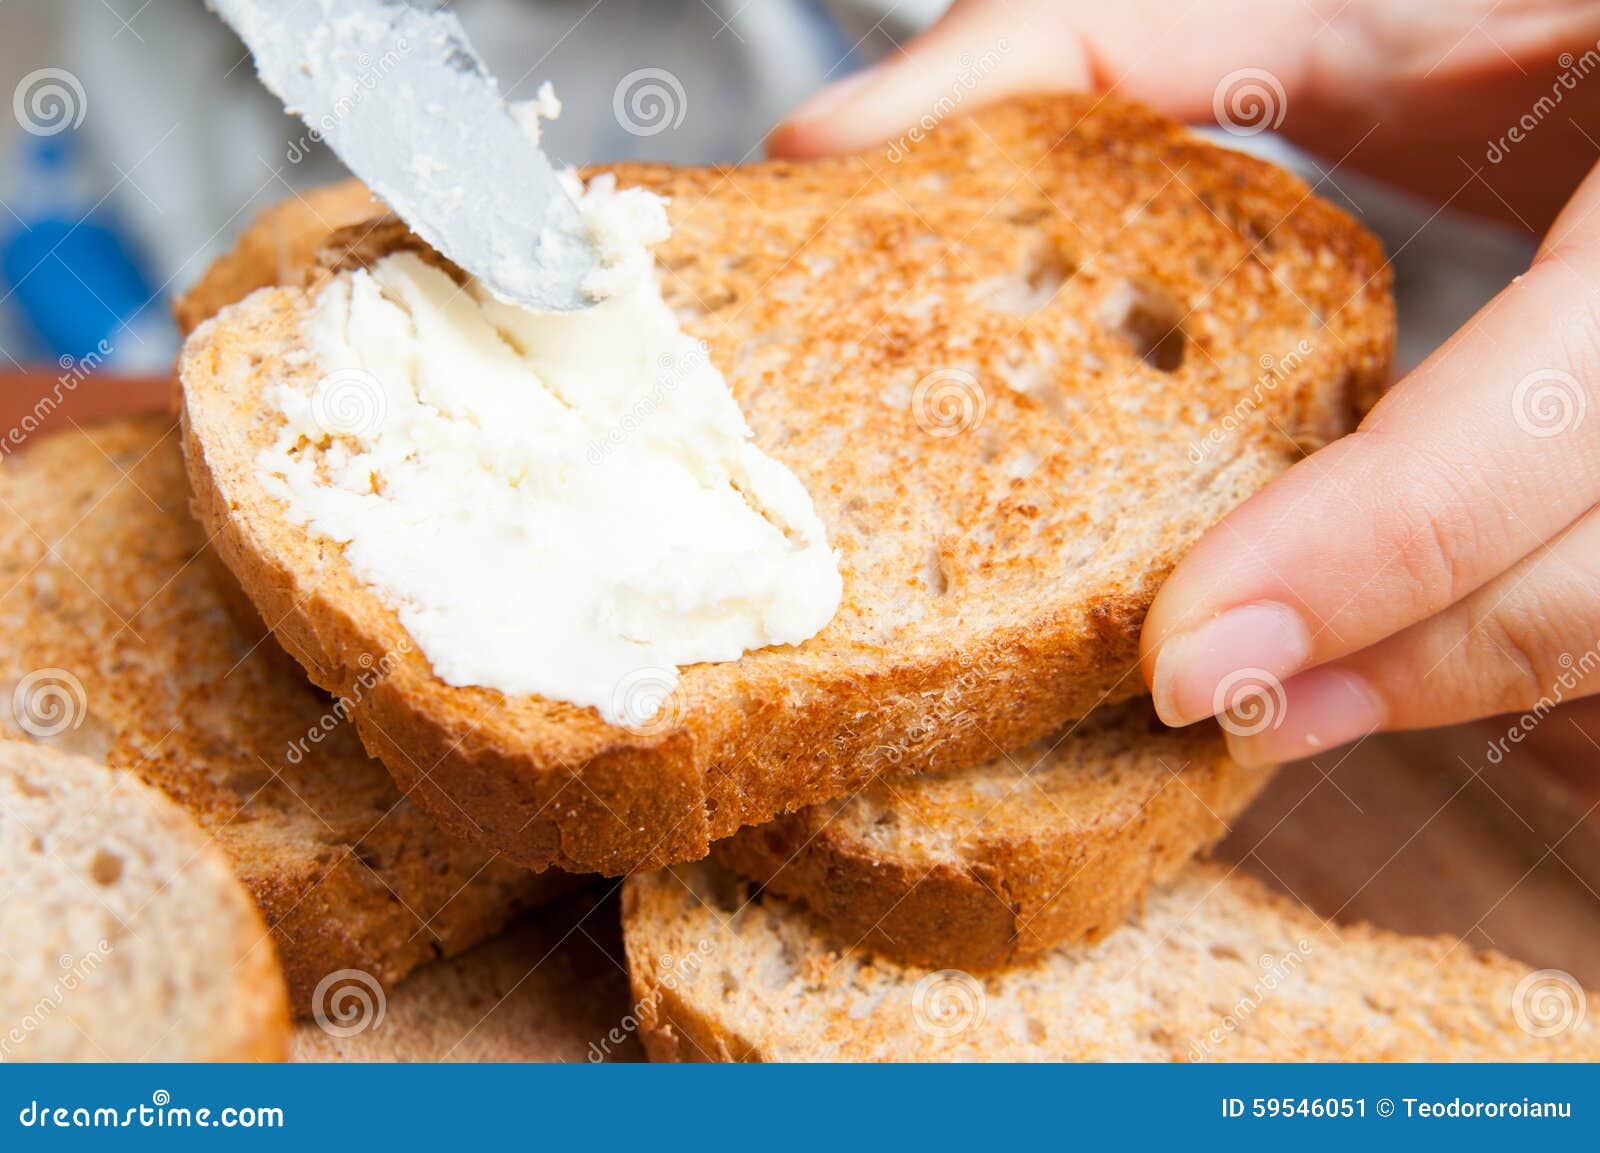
140 141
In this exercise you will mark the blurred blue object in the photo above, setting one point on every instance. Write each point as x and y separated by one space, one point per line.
73 285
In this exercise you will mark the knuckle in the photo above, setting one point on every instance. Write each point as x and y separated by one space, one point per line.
1511 658
1428 529
1528 642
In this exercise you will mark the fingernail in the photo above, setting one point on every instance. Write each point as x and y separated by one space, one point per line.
833 97
1243 652
1315 711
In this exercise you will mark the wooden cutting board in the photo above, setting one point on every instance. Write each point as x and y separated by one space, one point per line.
1455 831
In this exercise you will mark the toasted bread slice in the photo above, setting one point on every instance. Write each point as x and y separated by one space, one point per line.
277 247
550 988
978 868
126 935
1101 290
1216 968
111 613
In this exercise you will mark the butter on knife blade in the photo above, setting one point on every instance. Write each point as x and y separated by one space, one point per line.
402 98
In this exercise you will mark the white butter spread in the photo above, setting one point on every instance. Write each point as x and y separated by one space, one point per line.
530 114
552 502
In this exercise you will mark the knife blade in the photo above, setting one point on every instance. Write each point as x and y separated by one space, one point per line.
402 98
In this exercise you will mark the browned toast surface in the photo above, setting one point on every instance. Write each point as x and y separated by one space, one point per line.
1019 371
116 643
126 934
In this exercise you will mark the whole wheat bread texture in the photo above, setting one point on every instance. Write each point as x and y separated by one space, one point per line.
981 867
115 642
126 935
1020 371
1215 968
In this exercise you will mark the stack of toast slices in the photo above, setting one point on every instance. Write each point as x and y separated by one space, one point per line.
947 827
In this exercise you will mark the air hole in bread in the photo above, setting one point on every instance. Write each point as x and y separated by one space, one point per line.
933 571
1036 1031
1034 285
1225 953
688 305
1149 320
1260 234
725 893
106 867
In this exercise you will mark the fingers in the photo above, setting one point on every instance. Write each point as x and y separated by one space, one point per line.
1164 53
1525 642
978 52
1465 468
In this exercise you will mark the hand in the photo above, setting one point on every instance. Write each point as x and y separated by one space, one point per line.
1440 564
1436 98
1443 562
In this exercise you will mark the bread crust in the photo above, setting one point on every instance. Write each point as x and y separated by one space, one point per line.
224 1001
1015 885
278 247
547 783
1214 967
107 581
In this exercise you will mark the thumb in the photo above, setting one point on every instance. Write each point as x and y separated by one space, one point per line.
975 54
